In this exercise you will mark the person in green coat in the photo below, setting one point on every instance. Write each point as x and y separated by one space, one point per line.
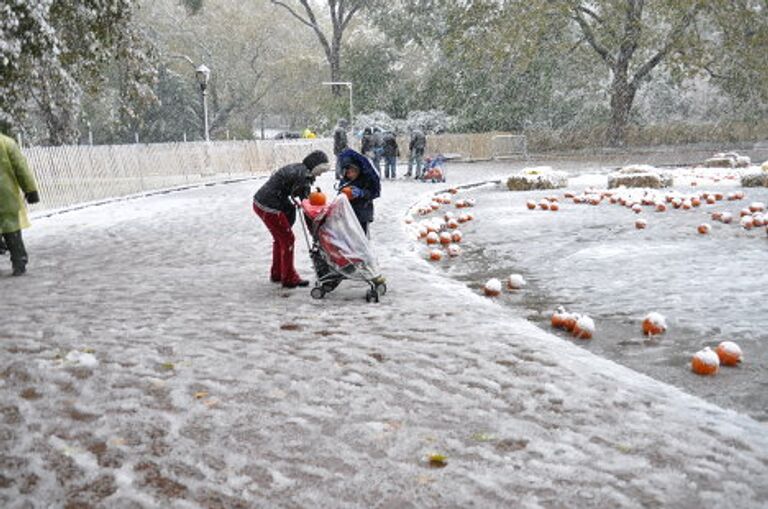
15 179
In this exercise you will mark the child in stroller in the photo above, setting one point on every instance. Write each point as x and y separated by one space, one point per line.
434 171
339 249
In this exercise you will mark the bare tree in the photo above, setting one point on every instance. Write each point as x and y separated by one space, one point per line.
341 13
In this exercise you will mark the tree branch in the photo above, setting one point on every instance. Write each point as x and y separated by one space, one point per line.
672 38
592 40
293 13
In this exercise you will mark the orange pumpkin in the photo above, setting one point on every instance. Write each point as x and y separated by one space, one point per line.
729 353
317 198
569 321
456 236
584 327
530 204
554 207
435 255
433 238
653 324
705 362
492 288
558 317
640 224
704 228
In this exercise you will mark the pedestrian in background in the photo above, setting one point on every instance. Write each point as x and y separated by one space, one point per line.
340 143
377 146
416 148
366 143
390 153
15 180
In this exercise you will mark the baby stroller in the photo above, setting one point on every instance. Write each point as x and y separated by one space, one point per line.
434 170
339 249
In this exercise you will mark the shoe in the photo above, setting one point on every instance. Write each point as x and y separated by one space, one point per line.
19 271
275 279
301 282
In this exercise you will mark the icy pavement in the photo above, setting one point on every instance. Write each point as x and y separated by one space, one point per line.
197 383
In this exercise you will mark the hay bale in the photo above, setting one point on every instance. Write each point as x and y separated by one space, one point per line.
756 178
539 177
639 175
727 160
719 162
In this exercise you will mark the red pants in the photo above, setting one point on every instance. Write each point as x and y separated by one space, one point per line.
282 246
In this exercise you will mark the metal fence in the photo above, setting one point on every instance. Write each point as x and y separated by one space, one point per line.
72 175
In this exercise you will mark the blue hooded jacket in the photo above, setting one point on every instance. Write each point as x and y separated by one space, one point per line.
368 182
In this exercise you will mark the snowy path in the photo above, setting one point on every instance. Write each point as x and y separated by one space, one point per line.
216 388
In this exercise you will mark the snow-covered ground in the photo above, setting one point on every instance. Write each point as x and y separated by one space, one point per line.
201 384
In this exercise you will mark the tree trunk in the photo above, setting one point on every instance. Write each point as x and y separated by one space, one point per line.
334 61
622 97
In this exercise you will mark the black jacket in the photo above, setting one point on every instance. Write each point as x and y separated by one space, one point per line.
390 146
339 140
275 194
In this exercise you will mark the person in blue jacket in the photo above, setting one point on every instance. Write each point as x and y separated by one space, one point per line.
361 183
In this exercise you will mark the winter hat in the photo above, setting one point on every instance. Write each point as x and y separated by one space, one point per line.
315 158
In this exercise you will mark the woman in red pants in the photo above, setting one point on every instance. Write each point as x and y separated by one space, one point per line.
272 203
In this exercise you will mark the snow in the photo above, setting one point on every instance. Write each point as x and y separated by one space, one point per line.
82 358
330 402
707 356
516 281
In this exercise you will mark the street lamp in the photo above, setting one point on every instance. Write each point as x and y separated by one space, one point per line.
202 73
347 84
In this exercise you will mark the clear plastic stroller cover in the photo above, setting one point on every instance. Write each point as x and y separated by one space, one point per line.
342 239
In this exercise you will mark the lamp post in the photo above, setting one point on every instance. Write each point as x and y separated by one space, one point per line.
202 73
347 84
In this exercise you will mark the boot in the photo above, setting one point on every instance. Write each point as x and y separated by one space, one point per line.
3 247
18 254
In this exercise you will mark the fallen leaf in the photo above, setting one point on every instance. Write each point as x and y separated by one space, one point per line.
437 460
201 395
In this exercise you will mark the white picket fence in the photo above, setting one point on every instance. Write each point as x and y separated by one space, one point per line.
71 175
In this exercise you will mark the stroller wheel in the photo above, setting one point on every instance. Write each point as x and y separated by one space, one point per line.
371 295
317 292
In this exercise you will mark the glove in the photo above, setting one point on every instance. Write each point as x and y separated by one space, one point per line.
356 192
32 197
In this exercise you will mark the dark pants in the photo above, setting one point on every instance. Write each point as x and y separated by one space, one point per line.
390 166
15 245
